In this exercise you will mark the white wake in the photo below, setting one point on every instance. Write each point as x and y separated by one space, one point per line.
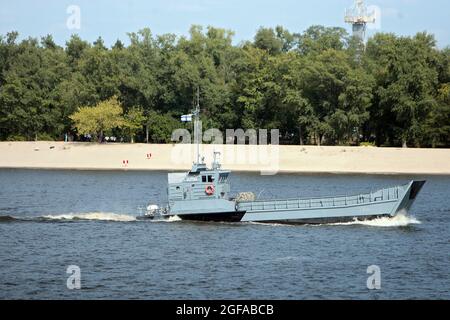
170 219
100 216
400 220
174 219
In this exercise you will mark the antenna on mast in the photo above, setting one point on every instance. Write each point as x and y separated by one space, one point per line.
196 114
358 17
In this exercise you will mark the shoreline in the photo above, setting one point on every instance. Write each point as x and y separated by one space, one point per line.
282 172
307 160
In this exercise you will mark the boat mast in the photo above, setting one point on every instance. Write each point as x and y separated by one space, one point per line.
196 125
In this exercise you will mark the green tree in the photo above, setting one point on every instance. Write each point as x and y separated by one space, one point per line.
250 86
133 122
324 81
161 127
317 39
266 39
27 98
75 48
437 125
353 108
406 84
100 119
319 86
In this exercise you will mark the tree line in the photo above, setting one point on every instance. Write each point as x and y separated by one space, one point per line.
321 86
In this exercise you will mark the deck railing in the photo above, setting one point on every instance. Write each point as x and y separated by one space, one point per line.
389 194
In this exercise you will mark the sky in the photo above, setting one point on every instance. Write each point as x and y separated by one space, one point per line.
114 18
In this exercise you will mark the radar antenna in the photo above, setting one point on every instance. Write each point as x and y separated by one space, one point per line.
358 17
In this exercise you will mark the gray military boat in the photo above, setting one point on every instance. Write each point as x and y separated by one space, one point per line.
202 194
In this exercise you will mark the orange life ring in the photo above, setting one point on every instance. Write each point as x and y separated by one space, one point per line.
209 190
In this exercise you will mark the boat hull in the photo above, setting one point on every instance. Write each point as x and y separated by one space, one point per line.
319 221
145 218
234 216
383 203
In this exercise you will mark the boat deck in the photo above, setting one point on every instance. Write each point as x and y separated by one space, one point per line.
384 195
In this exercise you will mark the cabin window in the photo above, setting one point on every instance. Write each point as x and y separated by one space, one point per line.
203 178
178 188
210 179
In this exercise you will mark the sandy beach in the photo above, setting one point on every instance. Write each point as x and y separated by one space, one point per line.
268 159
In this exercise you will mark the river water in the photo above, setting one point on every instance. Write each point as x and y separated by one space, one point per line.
50 220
